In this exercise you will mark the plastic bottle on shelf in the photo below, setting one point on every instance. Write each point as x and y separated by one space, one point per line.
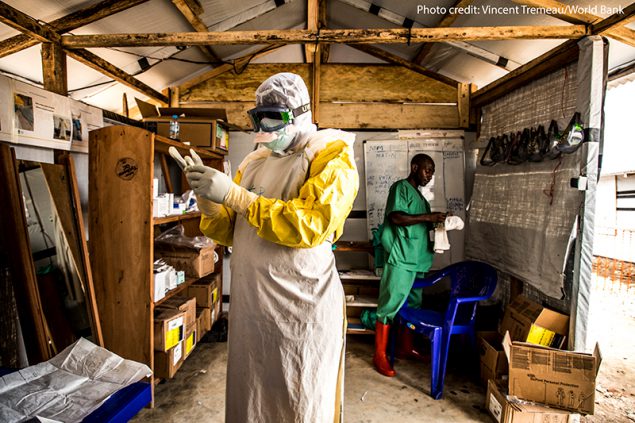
174 127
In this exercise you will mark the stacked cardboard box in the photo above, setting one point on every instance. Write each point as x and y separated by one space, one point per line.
207 292
198 126
527 321
545 383
169 332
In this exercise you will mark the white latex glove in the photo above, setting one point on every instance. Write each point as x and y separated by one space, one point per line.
205 181
208 183
211 185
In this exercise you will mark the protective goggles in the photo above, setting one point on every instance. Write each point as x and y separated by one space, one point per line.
273 118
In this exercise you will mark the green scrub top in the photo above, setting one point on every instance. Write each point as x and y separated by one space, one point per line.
407 247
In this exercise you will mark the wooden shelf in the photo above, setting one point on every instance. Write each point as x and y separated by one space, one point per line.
362 301
354 246
358 329
172 292
366 275
162 144
176 218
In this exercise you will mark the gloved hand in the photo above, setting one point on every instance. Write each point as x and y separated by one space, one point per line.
208 183
211 185
205 181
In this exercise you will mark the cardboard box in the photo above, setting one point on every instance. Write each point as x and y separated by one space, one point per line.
505 410
184 304
530 322
190 340
215 313
493 360
195 263
203 321
166 363
206 290
562 379
169 328
198 126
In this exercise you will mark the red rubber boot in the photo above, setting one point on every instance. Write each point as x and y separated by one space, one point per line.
381 341
405 346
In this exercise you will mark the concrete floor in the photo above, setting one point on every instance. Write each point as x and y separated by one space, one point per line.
196 394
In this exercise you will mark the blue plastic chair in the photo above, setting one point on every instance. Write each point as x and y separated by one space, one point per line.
471 282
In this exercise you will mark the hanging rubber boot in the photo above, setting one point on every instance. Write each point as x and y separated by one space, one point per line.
381 341
405 346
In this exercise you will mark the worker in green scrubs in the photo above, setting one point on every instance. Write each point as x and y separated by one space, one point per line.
408 252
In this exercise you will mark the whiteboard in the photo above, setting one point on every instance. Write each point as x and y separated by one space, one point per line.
387 161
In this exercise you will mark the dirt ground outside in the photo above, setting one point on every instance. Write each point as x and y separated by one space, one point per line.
612 324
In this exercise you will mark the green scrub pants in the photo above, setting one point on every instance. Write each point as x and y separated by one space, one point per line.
395 287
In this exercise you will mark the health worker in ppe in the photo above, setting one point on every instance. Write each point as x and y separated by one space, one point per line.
285 207
408 252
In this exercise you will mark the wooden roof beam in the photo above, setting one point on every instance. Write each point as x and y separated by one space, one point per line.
312 24
27 25
614 21
325 49
446 21
30 26
185 8
397 60
236 64
347 36
625 35
100 65
69 22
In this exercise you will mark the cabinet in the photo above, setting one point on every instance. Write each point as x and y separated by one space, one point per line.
361 286
122 231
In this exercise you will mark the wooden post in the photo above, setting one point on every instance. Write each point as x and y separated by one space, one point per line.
54 68
315 86
15 242
463 104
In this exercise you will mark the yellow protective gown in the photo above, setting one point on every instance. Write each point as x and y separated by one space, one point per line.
286 324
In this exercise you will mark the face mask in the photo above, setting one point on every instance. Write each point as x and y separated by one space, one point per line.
277 141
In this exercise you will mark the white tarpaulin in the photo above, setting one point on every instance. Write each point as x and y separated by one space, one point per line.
69 386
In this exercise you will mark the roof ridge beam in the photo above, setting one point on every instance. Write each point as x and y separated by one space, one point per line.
339 36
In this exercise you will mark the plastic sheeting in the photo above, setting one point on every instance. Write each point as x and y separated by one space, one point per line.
517 224
69 386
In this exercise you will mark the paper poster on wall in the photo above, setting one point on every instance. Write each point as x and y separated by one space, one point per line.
85 118
6 109
41 118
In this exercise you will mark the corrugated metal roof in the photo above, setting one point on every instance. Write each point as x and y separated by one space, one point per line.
223 15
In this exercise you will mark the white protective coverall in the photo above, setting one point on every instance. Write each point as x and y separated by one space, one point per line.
287 322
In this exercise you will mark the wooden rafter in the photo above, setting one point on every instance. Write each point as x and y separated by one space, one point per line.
236 64
550 61
396 60
348 36
445 22
95 62
185 8
614 21
322 24
312 24
69 22
54 68
27 25
44 33
622 34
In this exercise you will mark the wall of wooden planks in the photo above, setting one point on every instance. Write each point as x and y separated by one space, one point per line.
351 96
